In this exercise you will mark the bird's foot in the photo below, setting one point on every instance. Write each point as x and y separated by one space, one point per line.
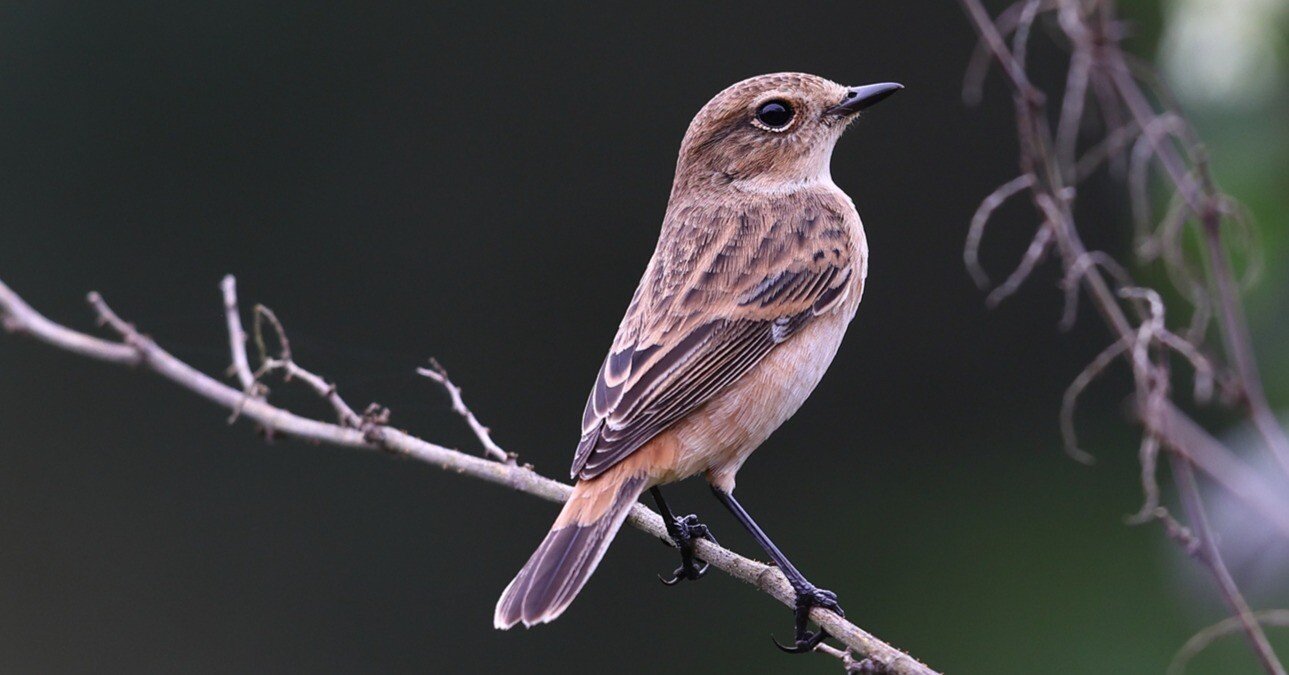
809 597
684 530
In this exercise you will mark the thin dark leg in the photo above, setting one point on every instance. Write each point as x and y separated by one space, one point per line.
808 595
683 531
667 516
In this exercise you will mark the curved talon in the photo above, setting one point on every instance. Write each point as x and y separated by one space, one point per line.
687 570
683 531
807 644
808 598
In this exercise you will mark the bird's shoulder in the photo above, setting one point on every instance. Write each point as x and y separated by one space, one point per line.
741 257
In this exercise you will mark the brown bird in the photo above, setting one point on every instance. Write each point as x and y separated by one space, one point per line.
758 270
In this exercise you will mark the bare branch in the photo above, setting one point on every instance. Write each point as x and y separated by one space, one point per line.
1204 200
971 252
1200 363
1208 554
1250 237
1074 277
978 66
1112 145
1067 130
236 334
992 40
849 662
1020 40
439 374
1186 437
325 390
284 363
1201 640
1038 248
372 432
1148 455
1113 116
265 315
1072 393
1143 152
1239 346
1163 138
16 316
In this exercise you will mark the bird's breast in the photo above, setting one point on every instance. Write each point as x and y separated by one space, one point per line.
720 436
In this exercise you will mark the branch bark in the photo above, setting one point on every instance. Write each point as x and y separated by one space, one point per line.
370 432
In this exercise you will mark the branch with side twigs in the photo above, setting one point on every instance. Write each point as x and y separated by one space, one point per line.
439 374
1137 135
371 430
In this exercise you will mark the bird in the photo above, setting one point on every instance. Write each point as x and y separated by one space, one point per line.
758 270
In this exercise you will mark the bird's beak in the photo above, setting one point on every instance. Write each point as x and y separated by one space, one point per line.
858 98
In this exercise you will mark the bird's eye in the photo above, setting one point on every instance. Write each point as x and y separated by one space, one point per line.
774 114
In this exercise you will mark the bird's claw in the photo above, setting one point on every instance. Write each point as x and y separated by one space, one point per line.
807 599
687 570
804 644
684 530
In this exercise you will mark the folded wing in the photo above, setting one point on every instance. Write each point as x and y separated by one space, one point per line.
723 290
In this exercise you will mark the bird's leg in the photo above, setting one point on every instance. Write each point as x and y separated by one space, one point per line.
683 530
808 595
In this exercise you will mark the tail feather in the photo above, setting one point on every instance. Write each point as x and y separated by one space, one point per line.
571 551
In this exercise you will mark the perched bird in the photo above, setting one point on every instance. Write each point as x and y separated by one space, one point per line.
758 270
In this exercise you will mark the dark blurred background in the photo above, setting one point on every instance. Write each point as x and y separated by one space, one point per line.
484 184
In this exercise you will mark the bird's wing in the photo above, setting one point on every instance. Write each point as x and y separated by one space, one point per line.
724 288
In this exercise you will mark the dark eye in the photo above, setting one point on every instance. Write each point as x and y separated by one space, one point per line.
774 114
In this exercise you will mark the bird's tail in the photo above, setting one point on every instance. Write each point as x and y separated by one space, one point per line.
572 549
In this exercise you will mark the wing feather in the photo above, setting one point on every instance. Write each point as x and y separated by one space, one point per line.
722 291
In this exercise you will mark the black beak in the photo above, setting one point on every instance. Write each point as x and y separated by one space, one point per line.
858 98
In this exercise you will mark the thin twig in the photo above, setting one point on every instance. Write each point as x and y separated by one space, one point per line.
1207 553
1074 277
236 334
265 315
439 374
1147 456
849 662
1186 437
251 382
1233 624
1070 400
971 252
1111 146
1038 248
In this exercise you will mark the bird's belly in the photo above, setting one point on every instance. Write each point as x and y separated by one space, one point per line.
718 437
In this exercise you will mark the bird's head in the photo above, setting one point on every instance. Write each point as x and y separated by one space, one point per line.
771 132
